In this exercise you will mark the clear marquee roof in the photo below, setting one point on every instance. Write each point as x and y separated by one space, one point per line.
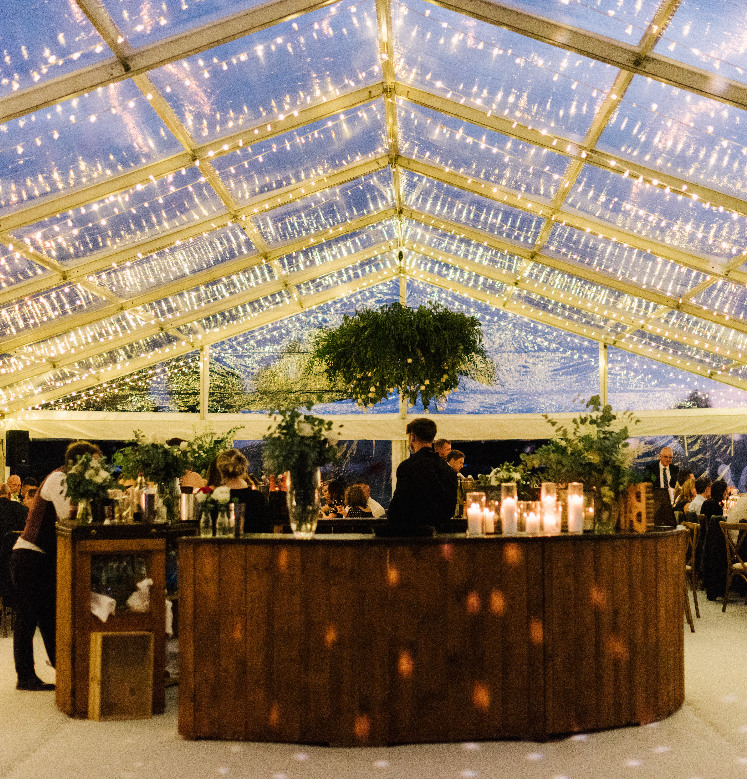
180 173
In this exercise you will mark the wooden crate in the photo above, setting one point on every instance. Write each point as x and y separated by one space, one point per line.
121 676
638 508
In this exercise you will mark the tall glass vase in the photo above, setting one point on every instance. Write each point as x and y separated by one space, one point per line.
304 498
84 514
169 495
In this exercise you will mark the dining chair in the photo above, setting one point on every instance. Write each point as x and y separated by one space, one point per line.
734 535
691 575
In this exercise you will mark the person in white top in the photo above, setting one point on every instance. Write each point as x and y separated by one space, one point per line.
703 492
33 563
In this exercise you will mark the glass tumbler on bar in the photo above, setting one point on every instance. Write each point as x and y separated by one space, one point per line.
509 509
575 507
475 505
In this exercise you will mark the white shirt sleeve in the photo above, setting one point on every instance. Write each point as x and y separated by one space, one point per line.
53 490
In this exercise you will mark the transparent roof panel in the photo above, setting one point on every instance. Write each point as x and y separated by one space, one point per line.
457 146
539 368
279 70
664 217
80 142
641 384
373 238
189 302
728 342
601 299
682 134
364 269
537 305
328 209
14 267
625 20
620 261
122 325
496 70
177 262
245 312
429 240
442 200
709 35
316 150
105 363
461 276
42 39
680 355
724 297
142 22
33 311
139 213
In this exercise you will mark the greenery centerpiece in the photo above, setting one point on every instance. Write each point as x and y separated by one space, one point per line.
594 450
419 352
88 482
506 473
159 463
203 447
298 445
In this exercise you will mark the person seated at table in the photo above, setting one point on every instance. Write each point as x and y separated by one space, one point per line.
702 493
683 476
356 503
686 494
334 499
232 466
442 447
714 505
372 505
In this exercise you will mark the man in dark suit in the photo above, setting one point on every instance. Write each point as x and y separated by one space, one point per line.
663 476
426 490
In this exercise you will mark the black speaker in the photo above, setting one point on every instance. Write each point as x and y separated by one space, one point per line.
17 448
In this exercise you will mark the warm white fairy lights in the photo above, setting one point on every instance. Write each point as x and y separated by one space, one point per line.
234 102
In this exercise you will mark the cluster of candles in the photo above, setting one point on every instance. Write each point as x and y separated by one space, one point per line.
534 517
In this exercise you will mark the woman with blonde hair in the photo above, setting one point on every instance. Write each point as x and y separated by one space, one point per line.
233 468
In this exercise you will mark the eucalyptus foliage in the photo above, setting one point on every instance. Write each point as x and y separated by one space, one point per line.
419 352
593 450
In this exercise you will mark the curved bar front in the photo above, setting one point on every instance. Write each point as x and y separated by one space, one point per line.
361 641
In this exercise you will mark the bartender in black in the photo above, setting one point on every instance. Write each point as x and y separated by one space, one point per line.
425 494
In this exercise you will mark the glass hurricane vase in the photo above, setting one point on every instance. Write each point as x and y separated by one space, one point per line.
84 514
304 498
169 495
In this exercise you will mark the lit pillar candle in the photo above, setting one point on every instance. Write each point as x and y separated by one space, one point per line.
551 519
549 510
532 521
509 509
575 507
474 519
509 516
488 519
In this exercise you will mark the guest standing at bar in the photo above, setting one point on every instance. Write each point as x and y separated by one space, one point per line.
33 567
426 490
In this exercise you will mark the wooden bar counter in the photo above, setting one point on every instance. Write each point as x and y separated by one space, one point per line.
361 641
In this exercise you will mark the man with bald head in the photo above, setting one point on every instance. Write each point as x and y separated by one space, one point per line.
663 475
14 486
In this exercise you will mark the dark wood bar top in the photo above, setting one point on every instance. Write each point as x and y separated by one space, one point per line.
364 641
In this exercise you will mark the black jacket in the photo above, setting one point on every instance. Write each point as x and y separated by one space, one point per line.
425 495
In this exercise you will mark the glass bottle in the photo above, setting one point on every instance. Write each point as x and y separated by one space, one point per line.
223 522
206 521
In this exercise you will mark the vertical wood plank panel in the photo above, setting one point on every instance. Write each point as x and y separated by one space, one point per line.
259 573
64 648
232 638
187 638
207 595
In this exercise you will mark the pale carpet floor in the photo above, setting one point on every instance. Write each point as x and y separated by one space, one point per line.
706 739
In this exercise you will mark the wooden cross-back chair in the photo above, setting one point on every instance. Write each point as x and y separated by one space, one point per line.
736 552
691 572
